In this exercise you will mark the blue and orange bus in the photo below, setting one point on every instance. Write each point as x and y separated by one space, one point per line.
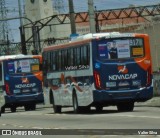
21 81
99 70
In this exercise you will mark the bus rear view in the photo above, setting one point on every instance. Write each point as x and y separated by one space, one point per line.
122 70
99 70
22 81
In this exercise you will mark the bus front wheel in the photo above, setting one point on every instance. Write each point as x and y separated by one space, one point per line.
99 108
124 107
13 109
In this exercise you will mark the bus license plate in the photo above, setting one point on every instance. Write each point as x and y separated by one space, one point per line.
110 84
25 90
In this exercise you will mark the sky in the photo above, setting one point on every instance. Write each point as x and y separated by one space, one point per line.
79 6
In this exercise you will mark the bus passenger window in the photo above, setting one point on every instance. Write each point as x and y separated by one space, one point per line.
71 57
53 61
45 66
62 60
78 57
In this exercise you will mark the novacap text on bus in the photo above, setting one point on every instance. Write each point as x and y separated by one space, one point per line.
20 81
99 70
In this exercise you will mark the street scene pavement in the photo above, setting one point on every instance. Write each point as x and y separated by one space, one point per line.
155 101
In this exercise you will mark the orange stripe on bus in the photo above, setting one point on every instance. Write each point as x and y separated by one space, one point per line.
38 75
145 62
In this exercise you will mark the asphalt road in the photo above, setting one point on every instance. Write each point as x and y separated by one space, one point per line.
143 118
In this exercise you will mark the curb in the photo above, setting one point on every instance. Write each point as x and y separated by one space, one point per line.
155 101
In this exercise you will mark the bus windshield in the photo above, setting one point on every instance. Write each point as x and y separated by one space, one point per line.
118 48
23 66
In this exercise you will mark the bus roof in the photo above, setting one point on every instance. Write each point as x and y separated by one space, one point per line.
88 37
19 56
101 35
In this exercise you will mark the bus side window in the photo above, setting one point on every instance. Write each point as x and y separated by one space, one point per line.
78 57
45 67
53 60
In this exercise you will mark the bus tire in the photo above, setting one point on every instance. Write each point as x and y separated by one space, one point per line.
30 107
2 109
33 107
99 108
27 107
13 109
76 108
51 97
56 108
85 109
125 107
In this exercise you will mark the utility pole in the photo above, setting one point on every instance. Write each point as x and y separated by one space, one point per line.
72 18
96 20
22 33
36 41
91 16
20 12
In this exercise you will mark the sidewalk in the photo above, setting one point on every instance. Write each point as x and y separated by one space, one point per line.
155 101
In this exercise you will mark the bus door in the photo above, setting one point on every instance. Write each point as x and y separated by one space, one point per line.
116 67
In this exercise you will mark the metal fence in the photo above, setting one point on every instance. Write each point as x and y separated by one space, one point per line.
10 49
